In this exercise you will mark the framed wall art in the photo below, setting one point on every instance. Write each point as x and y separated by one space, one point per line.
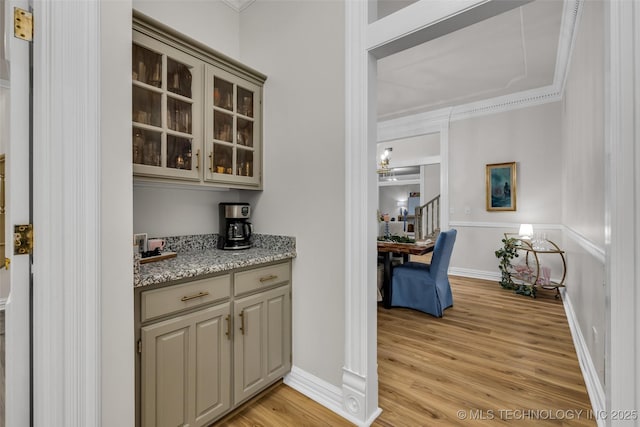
501 187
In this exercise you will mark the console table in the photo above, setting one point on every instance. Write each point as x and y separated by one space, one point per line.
533 276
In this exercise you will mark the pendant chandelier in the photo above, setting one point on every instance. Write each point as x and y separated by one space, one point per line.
383 167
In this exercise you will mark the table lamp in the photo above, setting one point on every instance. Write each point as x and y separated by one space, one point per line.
526 231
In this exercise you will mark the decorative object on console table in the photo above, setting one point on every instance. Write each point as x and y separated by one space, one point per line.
501 186
505 254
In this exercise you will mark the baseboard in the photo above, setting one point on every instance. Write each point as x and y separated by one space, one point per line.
474 274
316 389
589 372
322 392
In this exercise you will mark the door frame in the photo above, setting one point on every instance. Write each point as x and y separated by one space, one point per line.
18 374
83 363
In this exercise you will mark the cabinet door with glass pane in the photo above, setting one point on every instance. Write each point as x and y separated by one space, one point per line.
167 110
233 129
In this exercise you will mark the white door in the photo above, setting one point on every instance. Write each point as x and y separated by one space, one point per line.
17 198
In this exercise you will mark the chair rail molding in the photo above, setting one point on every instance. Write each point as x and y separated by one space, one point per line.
509 225
596 251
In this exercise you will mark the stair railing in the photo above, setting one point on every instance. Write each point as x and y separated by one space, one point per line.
428 219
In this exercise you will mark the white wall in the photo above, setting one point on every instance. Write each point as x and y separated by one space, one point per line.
390 195
211 22
410 150
583 182
529 136
300 47
431 185
176 211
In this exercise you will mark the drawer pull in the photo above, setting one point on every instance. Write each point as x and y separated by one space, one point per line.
228 333
242 329
198 295
267 278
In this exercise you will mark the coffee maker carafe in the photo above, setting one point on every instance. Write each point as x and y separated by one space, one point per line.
235 228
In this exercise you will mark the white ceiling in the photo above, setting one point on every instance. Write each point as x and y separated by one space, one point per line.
508 53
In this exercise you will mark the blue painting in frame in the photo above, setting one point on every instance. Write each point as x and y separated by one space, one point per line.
501 187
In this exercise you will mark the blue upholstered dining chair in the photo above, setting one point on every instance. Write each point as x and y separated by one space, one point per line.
426 287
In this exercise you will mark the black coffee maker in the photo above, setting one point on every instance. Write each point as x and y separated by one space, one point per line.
235 228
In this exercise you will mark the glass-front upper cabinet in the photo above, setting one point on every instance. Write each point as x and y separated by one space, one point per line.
232 136
166 110
196 113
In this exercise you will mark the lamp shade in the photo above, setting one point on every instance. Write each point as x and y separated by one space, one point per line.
526 231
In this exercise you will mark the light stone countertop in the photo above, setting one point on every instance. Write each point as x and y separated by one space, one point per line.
192 263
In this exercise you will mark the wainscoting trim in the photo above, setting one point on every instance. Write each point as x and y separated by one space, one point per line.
589 371
516 225
586 244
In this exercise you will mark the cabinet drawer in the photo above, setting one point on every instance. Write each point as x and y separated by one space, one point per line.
257 278
160 302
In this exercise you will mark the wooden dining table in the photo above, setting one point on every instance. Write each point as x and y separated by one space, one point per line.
387 249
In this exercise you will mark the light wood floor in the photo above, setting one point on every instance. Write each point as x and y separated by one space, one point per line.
495 358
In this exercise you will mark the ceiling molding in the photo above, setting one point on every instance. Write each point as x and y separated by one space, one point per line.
500 104
424 123
238 5
571 13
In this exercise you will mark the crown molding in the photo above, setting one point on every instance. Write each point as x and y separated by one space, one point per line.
238 5
571 13
424 123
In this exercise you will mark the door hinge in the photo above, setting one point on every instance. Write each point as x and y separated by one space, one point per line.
22 24
23 239
140 346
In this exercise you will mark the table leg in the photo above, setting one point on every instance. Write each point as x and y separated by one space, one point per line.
386 283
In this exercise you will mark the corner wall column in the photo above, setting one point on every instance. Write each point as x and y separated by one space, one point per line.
359 375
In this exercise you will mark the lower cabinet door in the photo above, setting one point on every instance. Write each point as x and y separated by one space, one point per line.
186 369
262 343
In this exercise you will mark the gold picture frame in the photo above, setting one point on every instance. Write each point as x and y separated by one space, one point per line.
501 186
